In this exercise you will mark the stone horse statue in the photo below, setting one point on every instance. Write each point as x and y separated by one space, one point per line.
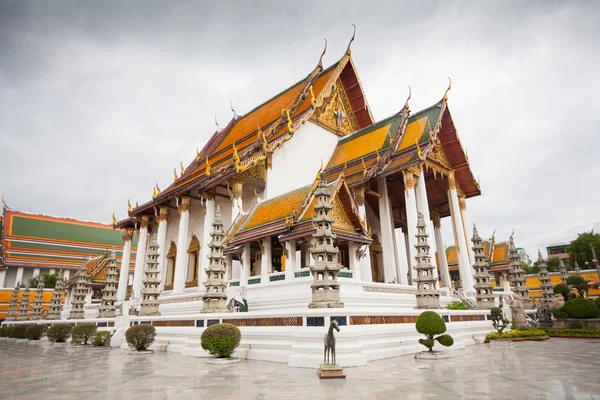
329 341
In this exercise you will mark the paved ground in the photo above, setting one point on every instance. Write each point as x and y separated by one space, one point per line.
556 369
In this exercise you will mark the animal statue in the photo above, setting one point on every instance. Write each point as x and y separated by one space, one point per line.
329 341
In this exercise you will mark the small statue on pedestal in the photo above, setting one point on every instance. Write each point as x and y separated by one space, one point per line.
329 370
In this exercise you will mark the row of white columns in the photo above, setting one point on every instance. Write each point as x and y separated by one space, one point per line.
19 276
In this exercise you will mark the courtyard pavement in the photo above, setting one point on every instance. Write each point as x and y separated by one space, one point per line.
555 369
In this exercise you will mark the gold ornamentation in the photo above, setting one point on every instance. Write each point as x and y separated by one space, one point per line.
359 194
447 90
153 193
129 205
145 222
162 213
208 169
415 170
174 174
127 234
114 219
197 154
183 204
237 187
157 189
336 112
437 221
136 204
289 121
320 64
409 180
312 96
351 40
462 203
419 153
341 219
451 181
181 169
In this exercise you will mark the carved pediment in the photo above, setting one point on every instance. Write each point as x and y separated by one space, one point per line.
336 112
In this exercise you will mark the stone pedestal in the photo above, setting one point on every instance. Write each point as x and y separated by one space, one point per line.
331 371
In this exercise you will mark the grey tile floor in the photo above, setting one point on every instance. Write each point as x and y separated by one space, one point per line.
555 369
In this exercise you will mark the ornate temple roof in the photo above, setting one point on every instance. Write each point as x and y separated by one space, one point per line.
96 269
33 240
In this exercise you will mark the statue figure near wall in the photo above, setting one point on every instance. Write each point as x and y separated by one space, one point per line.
518 312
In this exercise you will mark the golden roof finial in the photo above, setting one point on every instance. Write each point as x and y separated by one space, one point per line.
378 156
494 233
262 137
447 90
136 204
197 153
157 189
419 153
351 40
128 205
174 174
208 169
466 154
154 192
114 219
235 116
4 205
409 96
364 167
181 169
320 64
319 175
312 96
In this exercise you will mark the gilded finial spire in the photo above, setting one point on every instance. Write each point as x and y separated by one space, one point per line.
351 40
235 116
4 205
136 204
409 96
174 174
114 219
447 90
154 192
129 205
208 168
157 189
320 65
181 169
419 153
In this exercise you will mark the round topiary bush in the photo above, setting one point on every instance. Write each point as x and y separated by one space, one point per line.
3 332
559 312
19 330
581 308
576 325
141 336
101 338
597 301
84 332
59 333
430 324
221 339
9 332
35 332
562 289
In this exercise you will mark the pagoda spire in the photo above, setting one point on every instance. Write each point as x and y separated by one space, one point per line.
215 298
79 294
55 303
577 269
12 307
427 295
24 305
151 290
562 268
517 274
483 287
36 309
325 288
109 292
545 285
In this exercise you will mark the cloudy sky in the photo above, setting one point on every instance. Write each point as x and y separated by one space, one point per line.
101 100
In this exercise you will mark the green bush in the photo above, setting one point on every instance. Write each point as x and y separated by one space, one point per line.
9 331
518 334
581 308
140 336
573 332
101 338
19 331
84 332
562 289
59 333
221 339
575 325
429 323
459 305
559 312
597 301
35 332
3 330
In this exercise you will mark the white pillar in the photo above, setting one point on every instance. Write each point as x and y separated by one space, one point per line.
423 208
410 198
140 259
161 238
127 235
441 252
52 271
290 262
67 273
237 195
353 260
228 268
467 228
36 272
265 260
19 277
365 262
2 278
387 232
464 267
183 207
402 258
245 267
209 218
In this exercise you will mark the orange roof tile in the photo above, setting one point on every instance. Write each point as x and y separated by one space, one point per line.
276 208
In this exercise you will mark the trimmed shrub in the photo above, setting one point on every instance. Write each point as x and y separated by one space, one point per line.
59 333
9 331
459 305
19 330
3 330
518 334
575 325
140 336
430 324
562 289
597 301
581 308
35 332
221 339
574 332
500 323
559 312
84 332
101 338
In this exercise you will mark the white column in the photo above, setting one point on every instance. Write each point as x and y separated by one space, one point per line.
209 218
161 238
464 267
245 267
2 278
237 194
423 208
52 271
140 258
441 252
183 207
410 198
365 262
387 232
19 277
67 273
127 235
402 258
353 260
467 228
228 268
36 272
290 262
265 260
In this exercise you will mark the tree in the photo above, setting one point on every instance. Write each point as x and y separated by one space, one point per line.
49 280
552 264
530 268
499 322
580 251
578 283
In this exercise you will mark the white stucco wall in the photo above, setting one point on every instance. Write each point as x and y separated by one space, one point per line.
297 162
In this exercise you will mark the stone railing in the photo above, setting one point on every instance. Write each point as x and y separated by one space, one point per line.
276 276
254 280
302 272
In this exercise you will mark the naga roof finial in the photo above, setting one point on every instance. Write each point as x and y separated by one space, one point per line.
512 234
409 96
157 189
129 205
208 168
136 204
351 40
319 174
181 169
235 116
320 64
447 90
217 124
4 205
174 174
114 219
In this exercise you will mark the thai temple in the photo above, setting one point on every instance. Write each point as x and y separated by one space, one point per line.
302 211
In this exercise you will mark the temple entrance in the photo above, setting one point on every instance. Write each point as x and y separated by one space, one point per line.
376 254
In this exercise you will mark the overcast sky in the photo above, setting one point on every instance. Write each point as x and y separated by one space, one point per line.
101 100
